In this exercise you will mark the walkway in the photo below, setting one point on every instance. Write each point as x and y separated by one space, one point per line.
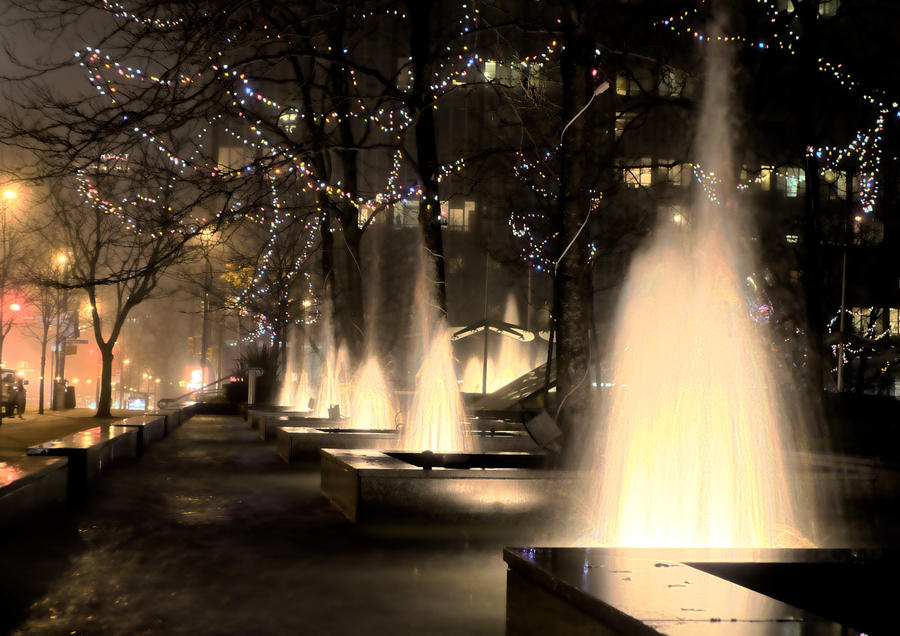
211 533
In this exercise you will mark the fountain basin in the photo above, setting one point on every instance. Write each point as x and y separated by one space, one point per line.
299 443
255 412
266 423
697 591
370 485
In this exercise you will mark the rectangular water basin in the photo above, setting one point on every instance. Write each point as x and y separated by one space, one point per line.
574 591
267 426
372 484
296 443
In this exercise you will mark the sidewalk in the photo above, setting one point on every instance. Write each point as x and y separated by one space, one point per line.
212 533
17 435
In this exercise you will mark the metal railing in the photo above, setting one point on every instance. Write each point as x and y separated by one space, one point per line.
196 395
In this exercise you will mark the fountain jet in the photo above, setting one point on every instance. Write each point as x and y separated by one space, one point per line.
694 427
334 384
436 420
372 406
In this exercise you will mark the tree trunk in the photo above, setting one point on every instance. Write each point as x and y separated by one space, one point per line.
351 316
572 284
350 266
422 106
104 403
327 254
807 11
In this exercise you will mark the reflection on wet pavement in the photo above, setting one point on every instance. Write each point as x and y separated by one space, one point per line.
212 533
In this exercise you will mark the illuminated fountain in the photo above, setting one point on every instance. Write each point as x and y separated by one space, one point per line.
436 421
332 399
694 454
696 430
373 405
334 384
289 383
303 394
471 375
694 482
442 466
295 391
507 361
514 358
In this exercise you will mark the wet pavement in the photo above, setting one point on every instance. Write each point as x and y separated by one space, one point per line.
211 533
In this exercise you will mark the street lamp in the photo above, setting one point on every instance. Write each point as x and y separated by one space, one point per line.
206 238
123 382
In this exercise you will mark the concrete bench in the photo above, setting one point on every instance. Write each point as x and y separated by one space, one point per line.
173 418
89 453
150 429
30 484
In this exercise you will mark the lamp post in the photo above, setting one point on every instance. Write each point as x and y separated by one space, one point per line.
205 240
123 382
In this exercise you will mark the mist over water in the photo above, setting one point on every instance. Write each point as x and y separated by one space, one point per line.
334 383
289 383
508 360
694 425
302 393
373 404
436 417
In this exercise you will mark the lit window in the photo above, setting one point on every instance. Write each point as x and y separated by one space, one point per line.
505 74
792 238
894 319
792 181
671 81
235 158
670 172
406 213
761 178
861 318
623 120
837 184
288 120
638 176
366 212
629 83
459 217
828 8
764 180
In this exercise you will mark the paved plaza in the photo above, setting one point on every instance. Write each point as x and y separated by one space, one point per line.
211 533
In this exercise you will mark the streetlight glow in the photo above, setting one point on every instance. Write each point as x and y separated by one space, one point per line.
9 194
